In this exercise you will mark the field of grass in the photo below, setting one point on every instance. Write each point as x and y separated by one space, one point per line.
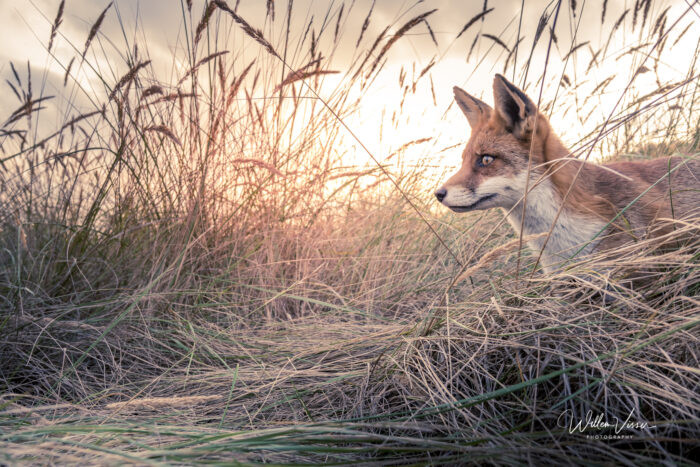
192 274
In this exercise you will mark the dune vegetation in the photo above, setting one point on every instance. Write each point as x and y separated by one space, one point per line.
190 273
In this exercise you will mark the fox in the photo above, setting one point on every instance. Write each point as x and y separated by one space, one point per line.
589 207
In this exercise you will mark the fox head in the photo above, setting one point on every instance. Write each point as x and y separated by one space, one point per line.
495 160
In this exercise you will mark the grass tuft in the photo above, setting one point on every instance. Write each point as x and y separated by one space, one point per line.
194 270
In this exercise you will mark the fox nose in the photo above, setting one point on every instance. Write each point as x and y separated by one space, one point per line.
440 194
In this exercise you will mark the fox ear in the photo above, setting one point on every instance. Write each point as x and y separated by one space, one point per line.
514 107
473 108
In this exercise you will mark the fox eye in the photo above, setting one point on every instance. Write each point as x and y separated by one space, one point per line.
485 160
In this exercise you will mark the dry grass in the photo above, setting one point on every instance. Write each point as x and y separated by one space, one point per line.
192 274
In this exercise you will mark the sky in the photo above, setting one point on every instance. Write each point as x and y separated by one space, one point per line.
156 26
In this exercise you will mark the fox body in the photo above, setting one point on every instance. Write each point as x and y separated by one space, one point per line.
592 207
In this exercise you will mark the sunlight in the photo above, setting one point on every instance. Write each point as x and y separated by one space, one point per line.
200 264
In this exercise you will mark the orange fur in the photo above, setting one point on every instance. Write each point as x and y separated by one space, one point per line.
581 196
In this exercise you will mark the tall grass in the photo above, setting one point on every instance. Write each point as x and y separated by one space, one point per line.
191 271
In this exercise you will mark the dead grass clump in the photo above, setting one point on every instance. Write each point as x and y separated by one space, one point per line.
192 271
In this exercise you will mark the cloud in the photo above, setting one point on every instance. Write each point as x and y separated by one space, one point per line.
157 28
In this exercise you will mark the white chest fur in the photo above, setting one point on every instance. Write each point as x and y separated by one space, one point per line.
572 232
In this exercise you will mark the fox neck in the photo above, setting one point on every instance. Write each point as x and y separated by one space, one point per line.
573 231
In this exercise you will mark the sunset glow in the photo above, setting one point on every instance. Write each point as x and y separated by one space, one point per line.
416 115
